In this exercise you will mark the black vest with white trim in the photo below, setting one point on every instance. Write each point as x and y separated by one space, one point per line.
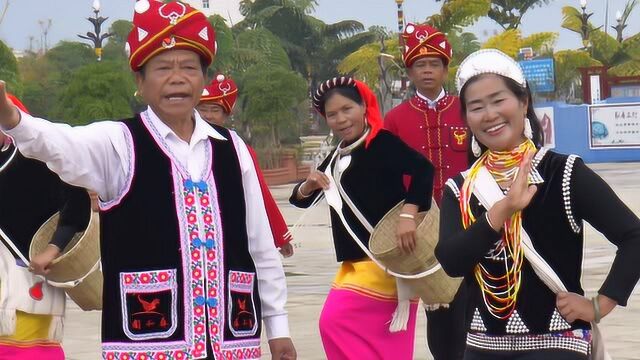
169 282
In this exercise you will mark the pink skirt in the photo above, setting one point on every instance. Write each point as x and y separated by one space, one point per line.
354 325
31 351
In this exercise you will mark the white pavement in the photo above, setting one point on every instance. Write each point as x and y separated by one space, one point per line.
311 269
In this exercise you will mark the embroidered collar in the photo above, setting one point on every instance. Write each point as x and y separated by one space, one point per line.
343 151
422 103
434 102
201 131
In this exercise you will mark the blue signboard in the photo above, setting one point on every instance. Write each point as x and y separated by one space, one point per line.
540 74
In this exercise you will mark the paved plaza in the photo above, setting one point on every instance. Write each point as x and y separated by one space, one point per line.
311 269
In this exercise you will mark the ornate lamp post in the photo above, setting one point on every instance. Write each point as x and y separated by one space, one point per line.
620 26
95 36
403 80
584 29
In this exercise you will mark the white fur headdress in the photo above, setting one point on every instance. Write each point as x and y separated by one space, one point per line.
489 61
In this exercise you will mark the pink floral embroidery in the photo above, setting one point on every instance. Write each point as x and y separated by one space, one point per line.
204 201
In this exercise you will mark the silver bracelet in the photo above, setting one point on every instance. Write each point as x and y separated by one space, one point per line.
302 195
597 316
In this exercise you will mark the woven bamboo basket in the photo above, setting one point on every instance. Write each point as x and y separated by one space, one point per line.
433 289
79 261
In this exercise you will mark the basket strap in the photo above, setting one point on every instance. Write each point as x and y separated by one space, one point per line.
354 209
335 201
12 247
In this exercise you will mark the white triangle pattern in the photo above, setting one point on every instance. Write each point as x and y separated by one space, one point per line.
476 323
516 325
142 33
558 323
443 45
204 34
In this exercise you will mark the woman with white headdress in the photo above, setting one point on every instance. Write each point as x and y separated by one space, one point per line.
512 225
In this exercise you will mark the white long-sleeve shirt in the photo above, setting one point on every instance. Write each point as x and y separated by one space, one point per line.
97 156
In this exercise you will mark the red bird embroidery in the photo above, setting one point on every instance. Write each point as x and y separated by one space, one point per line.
149 306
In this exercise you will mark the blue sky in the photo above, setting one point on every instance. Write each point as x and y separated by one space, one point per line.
68 16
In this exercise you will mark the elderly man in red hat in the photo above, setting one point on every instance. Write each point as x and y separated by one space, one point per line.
431 123
190 270
215 107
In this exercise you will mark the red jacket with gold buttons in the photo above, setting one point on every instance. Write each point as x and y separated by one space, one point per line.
439 134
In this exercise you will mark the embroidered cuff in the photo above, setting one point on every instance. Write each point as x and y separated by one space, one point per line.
277 326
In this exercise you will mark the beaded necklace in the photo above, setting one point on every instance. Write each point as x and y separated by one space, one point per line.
499 291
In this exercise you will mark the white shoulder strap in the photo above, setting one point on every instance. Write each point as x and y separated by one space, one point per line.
488 193
335 201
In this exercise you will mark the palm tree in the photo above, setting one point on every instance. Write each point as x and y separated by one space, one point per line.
621 58
314 47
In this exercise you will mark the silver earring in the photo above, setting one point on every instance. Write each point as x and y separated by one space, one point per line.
528 132
475 147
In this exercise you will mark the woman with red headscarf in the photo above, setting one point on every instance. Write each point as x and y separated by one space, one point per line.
355 319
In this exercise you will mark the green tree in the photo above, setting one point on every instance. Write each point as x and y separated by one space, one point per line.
223 62
314 47
567 74
9 70
96 91
269 99
259 46
114 49
45 77
511 41
622 58
67 56
509 13
457 14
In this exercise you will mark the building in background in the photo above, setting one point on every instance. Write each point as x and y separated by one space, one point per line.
228 9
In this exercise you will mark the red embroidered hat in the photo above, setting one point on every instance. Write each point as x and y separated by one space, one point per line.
422 41
222 91
159 26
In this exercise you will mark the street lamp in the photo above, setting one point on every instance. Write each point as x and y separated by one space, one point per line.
95 36
584 19
403 80
620 26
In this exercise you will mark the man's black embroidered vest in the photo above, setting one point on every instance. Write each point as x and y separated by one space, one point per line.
175 256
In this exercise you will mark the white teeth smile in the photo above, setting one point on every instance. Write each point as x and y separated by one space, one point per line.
176 98
495 128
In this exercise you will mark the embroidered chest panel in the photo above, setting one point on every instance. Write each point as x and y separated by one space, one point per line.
149 298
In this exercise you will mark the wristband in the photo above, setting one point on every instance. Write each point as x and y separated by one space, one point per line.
597 316
301 193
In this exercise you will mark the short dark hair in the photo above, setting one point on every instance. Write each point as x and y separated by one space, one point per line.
349 92
203 64
522 93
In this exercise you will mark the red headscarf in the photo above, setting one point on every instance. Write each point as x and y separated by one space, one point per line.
372 111
17 103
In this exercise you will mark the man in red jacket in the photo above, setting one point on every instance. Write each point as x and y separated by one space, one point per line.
215 107
431 123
